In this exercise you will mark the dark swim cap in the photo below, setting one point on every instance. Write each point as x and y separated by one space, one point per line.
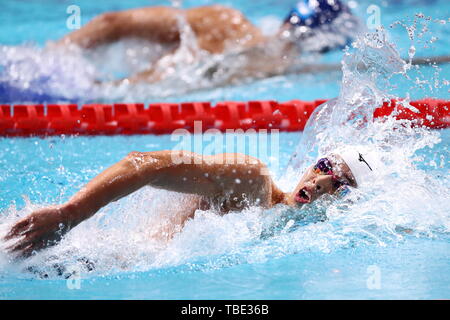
322 25
314 13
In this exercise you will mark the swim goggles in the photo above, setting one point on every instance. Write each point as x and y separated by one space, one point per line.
324 167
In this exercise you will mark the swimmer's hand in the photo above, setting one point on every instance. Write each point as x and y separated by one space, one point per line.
40 229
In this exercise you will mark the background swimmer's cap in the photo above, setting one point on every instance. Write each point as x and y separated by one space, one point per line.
322 25
313 13
362 163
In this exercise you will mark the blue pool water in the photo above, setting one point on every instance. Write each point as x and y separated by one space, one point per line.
362 250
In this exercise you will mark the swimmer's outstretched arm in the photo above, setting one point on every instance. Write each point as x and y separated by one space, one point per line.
178 171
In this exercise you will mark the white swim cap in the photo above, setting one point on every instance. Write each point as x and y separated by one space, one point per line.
362 163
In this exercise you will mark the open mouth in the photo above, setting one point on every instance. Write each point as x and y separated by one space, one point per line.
303 196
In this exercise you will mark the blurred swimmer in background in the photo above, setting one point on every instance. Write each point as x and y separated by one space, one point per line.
311 26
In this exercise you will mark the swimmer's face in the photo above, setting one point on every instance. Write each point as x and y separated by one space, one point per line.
327 176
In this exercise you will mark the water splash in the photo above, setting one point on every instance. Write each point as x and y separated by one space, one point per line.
35 74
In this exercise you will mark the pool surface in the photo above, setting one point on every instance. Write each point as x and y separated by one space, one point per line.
393 244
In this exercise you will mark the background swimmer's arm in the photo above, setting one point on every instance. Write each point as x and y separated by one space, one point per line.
154 24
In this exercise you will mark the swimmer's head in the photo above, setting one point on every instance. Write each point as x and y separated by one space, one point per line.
333 174
319 25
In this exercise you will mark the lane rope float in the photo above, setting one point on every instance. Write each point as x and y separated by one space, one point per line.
163 118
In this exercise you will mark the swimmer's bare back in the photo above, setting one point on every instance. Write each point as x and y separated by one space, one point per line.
223 182
215 27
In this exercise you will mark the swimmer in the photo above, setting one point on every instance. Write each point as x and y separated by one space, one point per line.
312 25
223 182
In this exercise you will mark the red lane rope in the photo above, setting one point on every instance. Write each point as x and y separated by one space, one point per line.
164 118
